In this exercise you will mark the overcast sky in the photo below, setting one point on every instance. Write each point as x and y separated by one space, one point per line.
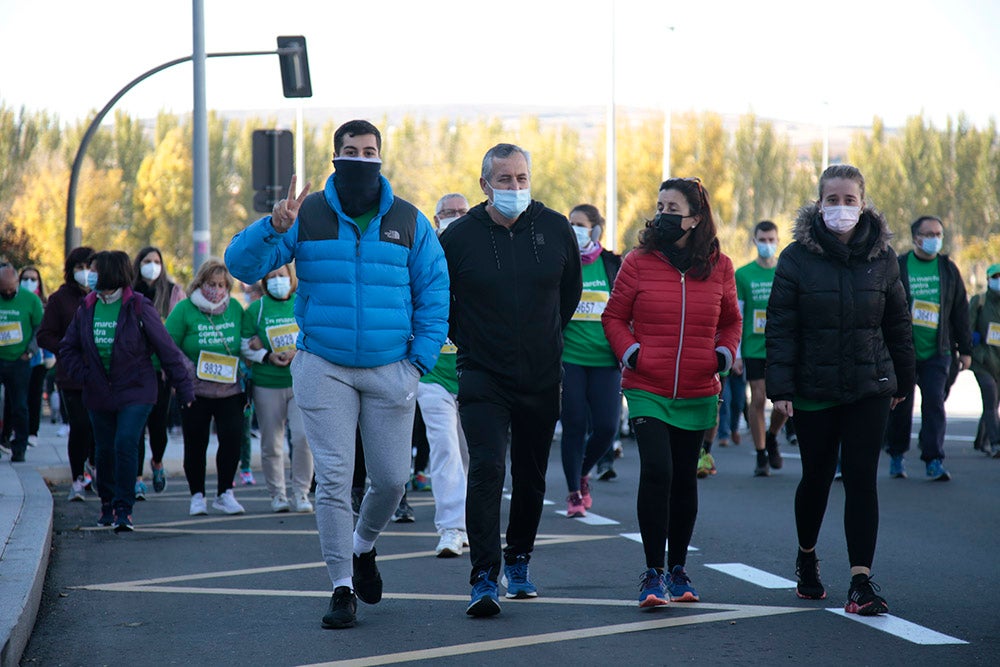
792 60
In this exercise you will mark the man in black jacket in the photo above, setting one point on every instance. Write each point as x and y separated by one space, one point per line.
515 284
940 311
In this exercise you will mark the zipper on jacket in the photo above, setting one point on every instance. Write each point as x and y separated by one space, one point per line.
680 339
357 295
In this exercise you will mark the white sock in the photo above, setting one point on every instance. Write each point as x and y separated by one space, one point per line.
346 581
362 546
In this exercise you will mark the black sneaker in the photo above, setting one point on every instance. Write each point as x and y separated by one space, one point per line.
403 513
107 517
123 523
343 608
863 598
762 469
807 572
773 455
367 580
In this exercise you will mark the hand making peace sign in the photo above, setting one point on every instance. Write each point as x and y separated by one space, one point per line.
286 210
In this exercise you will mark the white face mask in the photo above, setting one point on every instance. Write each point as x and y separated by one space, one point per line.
150 270
444 222
29 284
582 237
511 203
841 219
766 250
279 287
81 277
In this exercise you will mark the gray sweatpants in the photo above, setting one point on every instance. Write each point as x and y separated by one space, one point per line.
334 400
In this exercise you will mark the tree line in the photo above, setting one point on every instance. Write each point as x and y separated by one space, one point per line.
136 184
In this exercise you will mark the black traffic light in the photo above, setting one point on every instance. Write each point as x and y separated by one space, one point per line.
294 66
272 167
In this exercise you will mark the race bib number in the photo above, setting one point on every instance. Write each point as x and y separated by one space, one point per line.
591 306
993 334
926 314
214 367
282 337
11 334
449 348
759 320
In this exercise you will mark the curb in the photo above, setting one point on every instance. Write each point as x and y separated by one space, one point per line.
24 559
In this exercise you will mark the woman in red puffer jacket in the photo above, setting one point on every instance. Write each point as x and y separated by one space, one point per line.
674 323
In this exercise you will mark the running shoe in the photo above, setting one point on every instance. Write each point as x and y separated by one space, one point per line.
280 504
706 465
897 469
517 581
773 455
123 523
403 513
680 586
762 469
159 479
723 442
585 492
107 517
652 589
450 544
89 476
574 506
606 470
140 490
736 437
343 609
301 504
77 489
420 482
246 477
863 598
198 505
367 580
936 471
809 586
484 600
227 503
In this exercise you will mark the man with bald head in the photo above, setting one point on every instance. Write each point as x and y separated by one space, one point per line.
20 315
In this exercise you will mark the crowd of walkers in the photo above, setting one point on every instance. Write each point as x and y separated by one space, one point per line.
473 333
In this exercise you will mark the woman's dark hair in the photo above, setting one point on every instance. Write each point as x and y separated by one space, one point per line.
41 283
702 242
159 291
114 270
81 255
593 215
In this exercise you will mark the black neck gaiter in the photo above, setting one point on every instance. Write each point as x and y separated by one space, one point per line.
357 183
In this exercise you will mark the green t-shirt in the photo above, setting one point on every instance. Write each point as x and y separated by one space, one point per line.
365 219
273 321
811 404
195 333
584 343
19 319
105 326
925 291
444 372
690 414
753 289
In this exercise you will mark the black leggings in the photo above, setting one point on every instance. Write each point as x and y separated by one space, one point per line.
156 424
197 422
80 444
668 489
857 430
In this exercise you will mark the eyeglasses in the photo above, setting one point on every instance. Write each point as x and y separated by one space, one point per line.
452 212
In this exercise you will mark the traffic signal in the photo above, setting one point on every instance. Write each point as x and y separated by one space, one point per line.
294 66
273 163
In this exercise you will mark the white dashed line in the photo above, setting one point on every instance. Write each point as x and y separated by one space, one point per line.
911 632
752 575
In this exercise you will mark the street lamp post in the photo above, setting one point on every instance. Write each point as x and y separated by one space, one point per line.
666 130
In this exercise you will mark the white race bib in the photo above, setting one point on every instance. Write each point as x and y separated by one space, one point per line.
993 334
926 314
11 334
214 367
282 337
759 320
591 306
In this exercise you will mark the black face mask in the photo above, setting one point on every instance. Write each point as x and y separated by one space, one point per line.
8 296
668 226
358 184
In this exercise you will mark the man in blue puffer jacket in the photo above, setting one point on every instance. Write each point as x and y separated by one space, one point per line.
372 311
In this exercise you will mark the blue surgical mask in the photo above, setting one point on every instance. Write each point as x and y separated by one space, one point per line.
92 280
511 203
29 284
582 237
766 250
931 244
279 287
994 284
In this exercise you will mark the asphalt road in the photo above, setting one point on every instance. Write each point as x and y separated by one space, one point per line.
251 590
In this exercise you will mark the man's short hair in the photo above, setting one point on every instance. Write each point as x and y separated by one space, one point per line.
500 152
450 195
764 226
915 225
355 128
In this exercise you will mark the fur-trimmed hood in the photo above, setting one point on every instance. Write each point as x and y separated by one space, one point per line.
870 240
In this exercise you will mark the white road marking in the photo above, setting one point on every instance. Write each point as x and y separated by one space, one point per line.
752 575
592 519
911 632
637 537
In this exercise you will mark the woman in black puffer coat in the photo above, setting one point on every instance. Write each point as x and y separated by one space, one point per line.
839 357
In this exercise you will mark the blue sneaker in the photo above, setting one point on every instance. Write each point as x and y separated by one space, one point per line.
159 479
484 600
652 589
140 490
896 468
936 471
515 578
680 587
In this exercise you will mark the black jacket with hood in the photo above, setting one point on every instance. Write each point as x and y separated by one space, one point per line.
953 332
838 326
512 293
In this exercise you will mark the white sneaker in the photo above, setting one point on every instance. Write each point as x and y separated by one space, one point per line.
450 544
227 503
32 440
302 504
198 505
76 492
279 504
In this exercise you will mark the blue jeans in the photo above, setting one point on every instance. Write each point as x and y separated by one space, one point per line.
932 378
14 376
115 435
591 402
734 400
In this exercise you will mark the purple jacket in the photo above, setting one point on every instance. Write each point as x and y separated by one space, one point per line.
131 380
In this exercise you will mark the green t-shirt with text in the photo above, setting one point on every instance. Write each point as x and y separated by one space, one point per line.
273 321
584 343
925 293
196 332
105 326
444 372
19 319
753 289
